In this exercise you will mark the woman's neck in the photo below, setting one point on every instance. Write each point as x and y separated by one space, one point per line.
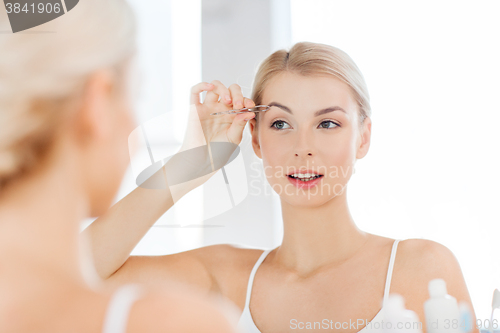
39 226
317 236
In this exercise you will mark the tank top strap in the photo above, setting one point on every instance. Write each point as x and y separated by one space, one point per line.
390 269
118 310
252 275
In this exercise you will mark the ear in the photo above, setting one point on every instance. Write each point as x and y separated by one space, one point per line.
254 131
94 118
365 137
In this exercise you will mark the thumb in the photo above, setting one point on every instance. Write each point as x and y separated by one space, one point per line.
235 131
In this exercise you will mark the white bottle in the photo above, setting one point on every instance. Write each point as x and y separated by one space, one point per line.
441 310
397 319
466 324
495 304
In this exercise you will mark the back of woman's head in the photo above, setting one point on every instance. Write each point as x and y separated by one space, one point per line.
42 76
314 59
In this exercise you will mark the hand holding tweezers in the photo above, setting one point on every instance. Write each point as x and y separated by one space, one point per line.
258 108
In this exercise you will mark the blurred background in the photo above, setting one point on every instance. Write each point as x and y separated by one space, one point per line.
433 74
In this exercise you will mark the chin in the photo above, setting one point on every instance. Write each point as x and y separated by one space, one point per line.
100 208
313 197
305 200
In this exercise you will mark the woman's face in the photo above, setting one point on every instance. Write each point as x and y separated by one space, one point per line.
313 124
114 120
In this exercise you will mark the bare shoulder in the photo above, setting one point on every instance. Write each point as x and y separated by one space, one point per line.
426 259
178 309
418 261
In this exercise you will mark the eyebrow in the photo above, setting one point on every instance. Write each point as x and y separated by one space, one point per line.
316 114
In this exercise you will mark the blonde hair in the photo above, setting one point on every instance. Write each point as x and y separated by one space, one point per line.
314 59
42 76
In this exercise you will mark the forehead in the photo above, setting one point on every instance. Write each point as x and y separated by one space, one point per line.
309 92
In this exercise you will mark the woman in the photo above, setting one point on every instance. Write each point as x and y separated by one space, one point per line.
65 118
325 268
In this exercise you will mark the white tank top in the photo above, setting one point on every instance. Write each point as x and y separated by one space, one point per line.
247 325
117 314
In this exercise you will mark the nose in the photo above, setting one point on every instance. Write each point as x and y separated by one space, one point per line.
302 154
304 146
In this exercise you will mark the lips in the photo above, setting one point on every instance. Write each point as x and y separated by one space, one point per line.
303 171
301 184
305 183
314 177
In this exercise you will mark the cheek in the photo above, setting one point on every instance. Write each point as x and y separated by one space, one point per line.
336 153
274 149
129 124
125 124
339 155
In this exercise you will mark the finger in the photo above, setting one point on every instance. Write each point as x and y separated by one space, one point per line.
236 96
197 89
235 131
219 90
248 103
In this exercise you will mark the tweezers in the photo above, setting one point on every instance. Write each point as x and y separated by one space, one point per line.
258 108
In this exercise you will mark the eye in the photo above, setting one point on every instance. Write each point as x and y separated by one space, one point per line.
280 124
328 121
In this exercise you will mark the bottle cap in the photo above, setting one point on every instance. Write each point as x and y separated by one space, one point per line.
437 288
496 299
395 313
395 303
